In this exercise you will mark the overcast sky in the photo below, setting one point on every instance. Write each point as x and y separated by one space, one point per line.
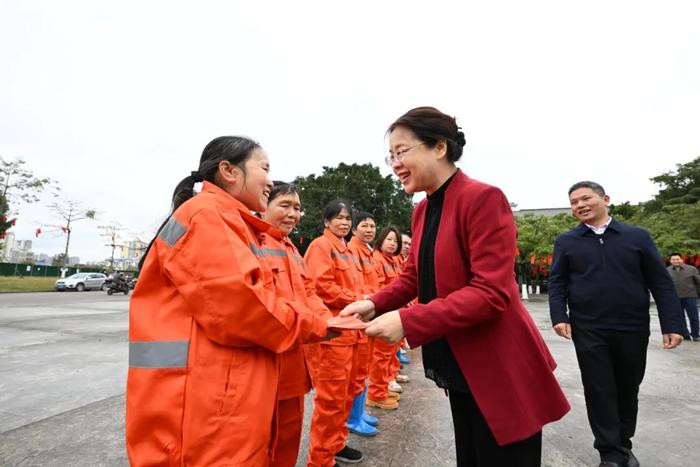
115 100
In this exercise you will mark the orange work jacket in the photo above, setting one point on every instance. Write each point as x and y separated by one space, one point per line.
205 327
388 267
292 283
365 264
338 281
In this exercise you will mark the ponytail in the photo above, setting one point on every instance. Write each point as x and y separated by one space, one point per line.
183 191
234 149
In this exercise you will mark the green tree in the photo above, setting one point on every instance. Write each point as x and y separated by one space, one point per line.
672 217
681 186
70 212
18 185
536 234
626 211
675 227
61 259
360 184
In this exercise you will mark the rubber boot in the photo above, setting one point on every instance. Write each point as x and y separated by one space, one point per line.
365 416
355 423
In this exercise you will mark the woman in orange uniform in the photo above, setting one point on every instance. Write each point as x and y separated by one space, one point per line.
333 364
291 282
364 229
205 323
388 246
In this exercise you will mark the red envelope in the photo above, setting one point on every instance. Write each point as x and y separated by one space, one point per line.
346 323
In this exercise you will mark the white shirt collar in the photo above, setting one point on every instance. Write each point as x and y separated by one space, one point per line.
600 230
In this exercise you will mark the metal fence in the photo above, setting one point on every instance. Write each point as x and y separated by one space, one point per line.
34 270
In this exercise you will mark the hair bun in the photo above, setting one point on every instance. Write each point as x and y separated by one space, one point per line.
459 138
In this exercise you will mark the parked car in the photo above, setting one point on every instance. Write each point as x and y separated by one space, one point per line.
82 281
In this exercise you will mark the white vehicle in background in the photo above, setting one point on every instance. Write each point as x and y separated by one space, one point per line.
82 281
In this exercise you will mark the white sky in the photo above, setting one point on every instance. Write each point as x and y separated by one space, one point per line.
116 100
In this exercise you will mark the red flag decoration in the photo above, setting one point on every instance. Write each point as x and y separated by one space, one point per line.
64 229
38 231
13 222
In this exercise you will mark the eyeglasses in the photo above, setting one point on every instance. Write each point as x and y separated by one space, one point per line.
398 155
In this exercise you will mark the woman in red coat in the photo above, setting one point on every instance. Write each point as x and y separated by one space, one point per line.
479 342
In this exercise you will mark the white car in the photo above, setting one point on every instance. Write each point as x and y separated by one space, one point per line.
82 281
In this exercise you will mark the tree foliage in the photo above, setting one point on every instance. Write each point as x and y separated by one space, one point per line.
18 185
71 212
360 184
672 217
536 234
681 186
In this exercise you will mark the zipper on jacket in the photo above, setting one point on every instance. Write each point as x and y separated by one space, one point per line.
602 252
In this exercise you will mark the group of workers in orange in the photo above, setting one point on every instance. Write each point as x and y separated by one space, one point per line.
228 326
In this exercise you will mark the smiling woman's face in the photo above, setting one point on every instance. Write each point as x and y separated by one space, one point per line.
417 168
340 224
284 212
253 184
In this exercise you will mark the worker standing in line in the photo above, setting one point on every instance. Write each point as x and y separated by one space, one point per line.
364 229
293 283
205 323
333 364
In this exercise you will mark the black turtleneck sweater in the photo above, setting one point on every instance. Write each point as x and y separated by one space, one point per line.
438 360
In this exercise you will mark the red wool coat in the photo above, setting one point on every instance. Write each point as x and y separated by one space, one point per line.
495 341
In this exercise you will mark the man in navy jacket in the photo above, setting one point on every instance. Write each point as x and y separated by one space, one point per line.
604 270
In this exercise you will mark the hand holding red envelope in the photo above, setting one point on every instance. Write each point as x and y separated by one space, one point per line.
346 323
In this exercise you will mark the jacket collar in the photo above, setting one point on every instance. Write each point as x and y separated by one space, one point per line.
614 225
362 246
224 199
338 243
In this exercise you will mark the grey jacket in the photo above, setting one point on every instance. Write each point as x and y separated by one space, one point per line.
686 280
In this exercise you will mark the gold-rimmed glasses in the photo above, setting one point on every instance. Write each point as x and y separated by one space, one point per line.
398 155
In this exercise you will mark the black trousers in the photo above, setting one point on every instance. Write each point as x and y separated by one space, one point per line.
476 446
612 367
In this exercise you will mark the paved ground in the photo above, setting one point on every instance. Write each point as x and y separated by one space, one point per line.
63 365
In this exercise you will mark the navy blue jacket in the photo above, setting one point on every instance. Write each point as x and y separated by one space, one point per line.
606 279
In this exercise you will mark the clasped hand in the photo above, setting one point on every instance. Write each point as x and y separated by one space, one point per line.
387 327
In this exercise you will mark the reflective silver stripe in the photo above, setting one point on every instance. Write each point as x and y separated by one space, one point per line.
273 252
158 354
256 251
389 268
338 255
172 232
367 261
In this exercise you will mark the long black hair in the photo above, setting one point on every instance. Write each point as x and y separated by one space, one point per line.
234 149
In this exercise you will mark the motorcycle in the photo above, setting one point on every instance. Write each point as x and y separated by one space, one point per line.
120 286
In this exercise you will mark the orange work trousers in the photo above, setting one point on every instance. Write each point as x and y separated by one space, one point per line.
363 358
381 369
290 418
333 375
395 363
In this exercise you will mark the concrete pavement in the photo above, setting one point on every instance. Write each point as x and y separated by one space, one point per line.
63 363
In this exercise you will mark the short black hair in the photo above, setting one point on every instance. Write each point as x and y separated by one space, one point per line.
597 187
280 188
360 216
676 254
334 208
